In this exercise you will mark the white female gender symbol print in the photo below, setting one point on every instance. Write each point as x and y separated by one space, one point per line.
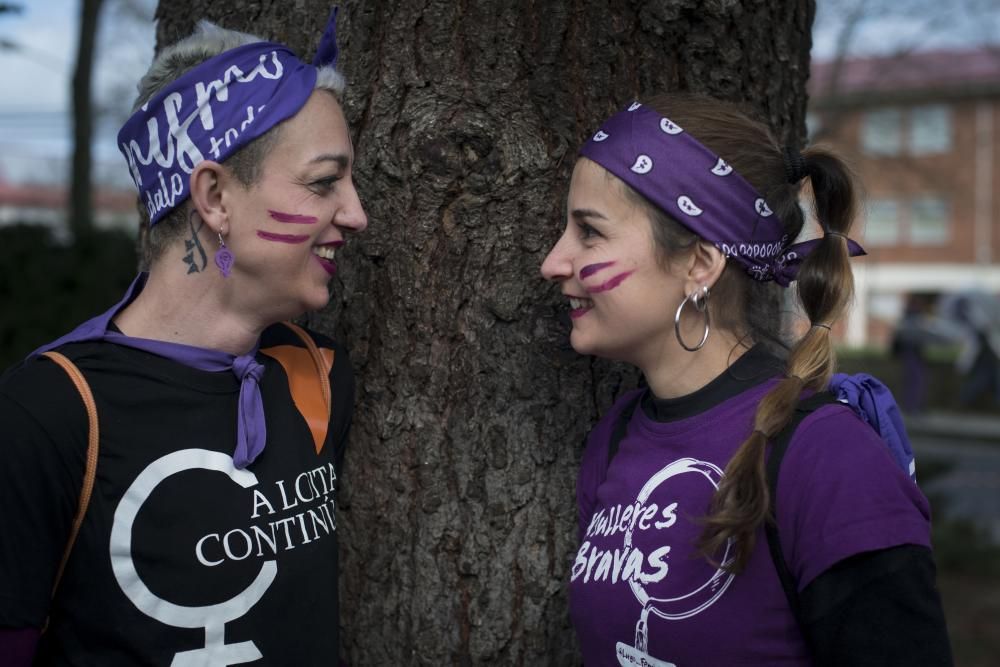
212 617
675 605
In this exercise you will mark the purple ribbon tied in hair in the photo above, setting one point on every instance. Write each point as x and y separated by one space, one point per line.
213 110
679 175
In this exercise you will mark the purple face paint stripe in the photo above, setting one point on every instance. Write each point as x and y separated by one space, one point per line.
611 284
293 218
283 238
591 269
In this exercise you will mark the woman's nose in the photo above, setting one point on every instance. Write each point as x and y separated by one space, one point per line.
351 214
558 264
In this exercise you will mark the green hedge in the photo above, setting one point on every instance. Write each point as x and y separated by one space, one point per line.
47 288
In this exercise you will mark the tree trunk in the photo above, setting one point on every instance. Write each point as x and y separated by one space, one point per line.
80 213
458 520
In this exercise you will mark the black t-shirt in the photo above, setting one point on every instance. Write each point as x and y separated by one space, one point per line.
180 555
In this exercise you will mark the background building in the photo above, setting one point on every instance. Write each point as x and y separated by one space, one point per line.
923 132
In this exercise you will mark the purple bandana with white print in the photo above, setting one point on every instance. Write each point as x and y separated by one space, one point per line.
213 110
678 174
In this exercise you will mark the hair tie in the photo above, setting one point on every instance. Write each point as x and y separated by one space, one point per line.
795 165
830 232
820 324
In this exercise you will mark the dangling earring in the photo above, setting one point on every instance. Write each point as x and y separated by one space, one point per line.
699 299
223 258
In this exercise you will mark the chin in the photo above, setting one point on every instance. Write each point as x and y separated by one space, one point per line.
582 345
315 300
593 348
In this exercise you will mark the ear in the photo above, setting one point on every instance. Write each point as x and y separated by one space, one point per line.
208 181
705 265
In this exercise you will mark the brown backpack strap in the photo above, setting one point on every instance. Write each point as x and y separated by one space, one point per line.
93 444
321 366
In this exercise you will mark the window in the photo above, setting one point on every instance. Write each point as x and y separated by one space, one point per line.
881 132
930 129
929 221
883 222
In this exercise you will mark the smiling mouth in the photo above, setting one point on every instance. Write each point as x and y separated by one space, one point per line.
578 307
327 252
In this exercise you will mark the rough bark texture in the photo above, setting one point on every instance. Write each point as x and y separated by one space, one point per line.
457 512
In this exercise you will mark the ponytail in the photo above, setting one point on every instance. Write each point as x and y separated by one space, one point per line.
825 287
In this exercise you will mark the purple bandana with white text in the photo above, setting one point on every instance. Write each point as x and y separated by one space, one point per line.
678 174
212 111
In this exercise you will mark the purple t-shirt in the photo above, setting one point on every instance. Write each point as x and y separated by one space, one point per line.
639 592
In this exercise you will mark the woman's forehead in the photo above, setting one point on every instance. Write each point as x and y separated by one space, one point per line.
593 183
318 132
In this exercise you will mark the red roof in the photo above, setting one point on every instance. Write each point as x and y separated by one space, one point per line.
909 72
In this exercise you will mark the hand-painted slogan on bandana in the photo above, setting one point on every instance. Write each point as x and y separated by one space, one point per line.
208 113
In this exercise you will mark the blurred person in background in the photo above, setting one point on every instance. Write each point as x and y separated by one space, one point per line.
209 536
979 360
908 345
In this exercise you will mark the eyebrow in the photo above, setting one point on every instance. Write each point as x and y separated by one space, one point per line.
584 213
340 159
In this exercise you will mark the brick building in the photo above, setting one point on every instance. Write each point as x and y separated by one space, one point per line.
46 205
923 133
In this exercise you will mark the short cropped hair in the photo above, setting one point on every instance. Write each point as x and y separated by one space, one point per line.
207 41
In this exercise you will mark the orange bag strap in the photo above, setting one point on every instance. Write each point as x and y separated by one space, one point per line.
321 368
93 444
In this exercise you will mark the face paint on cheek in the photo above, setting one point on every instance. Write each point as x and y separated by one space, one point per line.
611 284
591 269
293 218
282 238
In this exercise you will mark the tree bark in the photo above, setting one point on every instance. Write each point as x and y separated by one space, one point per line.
80 213
458 520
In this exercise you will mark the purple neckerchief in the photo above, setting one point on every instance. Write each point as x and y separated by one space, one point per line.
672 169
873 402
213 110
251 431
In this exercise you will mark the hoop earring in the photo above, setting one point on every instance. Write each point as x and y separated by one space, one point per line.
699 299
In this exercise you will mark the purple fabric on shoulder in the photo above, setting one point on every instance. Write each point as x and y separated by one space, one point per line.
877 407
251 432
17 646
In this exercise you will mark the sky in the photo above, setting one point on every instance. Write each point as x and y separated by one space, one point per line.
35 84
35 80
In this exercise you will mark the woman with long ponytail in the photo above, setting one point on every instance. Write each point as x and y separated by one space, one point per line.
683 228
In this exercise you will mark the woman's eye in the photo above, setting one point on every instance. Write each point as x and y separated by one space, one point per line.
324 183
586 231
